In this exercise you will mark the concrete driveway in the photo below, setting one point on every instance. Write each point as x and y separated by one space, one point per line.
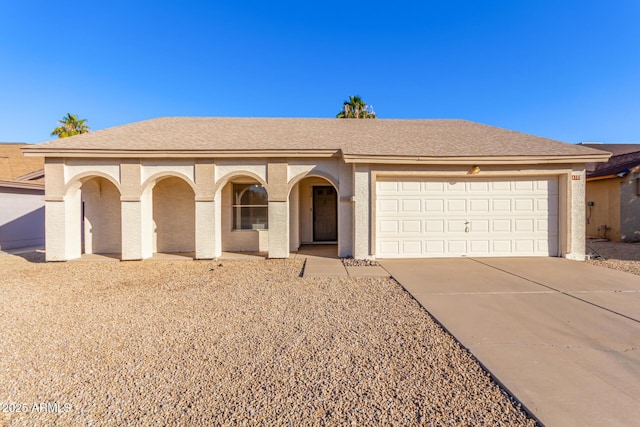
562 336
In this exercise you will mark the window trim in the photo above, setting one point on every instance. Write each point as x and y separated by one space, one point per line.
240 206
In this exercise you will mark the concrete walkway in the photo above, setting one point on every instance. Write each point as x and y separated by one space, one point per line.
562 336
323 261
19 251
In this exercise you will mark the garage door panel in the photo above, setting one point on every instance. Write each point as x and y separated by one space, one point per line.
430 187
478 186
542 204
411 205
388 206
445 218
552 206
479 226
456 226
524 246
498 186
387 187
456 186
523 225
501 225
479 247
434 247
548 186
523 186
457 247
502 247
412 247
542 225
434 205
434 226
546 246
411 226
479 205
457 205
410 186
542 245
501 205
388 226
524 205
390 248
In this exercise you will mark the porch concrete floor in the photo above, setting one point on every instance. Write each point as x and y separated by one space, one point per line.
174 256
242 256
97 258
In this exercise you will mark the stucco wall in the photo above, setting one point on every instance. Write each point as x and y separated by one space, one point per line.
605 212
174 216
629 209
102 217
575 213
21 218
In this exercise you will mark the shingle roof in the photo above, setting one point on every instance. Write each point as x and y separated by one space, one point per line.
380 137
616 164
614 149
14 165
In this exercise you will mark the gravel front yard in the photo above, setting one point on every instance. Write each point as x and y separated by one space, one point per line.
198 343
616 255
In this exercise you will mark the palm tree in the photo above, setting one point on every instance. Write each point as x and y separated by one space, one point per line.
356 108
70 125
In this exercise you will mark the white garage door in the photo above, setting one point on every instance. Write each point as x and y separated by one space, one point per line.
420 218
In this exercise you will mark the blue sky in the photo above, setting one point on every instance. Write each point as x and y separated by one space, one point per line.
568 70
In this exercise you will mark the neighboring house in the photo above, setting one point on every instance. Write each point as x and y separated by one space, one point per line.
613 194
377 188
21 199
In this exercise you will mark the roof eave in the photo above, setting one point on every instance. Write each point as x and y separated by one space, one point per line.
477 160
601 177
31 175
22 185
348 158
84 153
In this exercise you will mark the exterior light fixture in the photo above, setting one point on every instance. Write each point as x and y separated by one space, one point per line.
475 170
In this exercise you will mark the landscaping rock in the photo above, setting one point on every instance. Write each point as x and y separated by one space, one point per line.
192 343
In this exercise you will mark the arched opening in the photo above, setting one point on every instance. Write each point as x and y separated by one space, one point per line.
313 215
245 216
101 222
174 216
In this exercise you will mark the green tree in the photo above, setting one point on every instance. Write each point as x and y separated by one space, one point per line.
356 108
70 125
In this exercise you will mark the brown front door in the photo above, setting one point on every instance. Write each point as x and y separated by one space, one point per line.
325 213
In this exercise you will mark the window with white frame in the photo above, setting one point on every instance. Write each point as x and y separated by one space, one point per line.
250 210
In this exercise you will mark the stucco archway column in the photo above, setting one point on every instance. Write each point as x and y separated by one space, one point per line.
131 209
576 214
278 191
59 214
345 211
205 210
361 212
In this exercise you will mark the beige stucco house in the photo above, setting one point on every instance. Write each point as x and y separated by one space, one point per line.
377 188
613 194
